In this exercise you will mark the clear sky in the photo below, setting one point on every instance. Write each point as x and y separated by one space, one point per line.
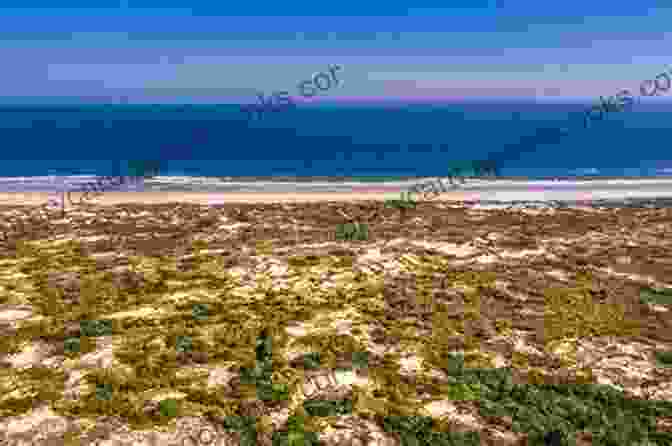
198 51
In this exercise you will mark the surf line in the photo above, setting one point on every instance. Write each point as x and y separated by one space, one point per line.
430 186
98 186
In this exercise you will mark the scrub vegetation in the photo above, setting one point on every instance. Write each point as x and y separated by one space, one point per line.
160 320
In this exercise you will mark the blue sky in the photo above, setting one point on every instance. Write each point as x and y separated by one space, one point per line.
151 51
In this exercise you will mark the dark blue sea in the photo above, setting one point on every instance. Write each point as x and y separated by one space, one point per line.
357 141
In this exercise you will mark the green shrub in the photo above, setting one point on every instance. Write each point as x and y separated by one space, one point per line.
104 392
261 371
352 231
405 202
454 364
261 374
246 426
280 392
168 408
238 423
463 392
295 435
248 438
311 360
248 376
360 360
652 296
416 430
327 408
539 409
664 359
268 391
184 344
200 312
263 347
295 438
94 328
72 345
454 439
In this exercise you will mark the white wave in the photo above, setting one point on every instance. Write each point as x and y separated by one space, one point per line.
56 183
589 171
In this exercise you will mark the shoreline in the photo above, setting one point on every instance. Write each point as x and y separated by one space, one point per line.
181 184
594 197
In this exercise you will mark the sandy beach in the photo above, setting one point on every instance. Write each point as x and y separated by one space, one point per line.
475 191
204 198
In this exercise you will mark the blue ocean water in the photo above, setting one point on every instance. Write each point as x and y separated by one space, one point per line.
360 140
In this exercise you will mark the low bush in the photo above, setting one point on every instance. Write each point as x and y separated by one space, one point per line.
327 408
104 392
168 408
244 425
184 344
653 296
405 202
539 409
94 328
417 431
311 360
360 360
72 345
352 231
200 312
664 359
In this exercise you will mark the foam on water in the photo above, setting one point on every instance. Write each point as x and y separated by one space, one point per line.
54 183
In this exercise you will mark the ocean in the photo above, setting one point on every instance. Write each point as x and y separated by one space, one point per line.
367 143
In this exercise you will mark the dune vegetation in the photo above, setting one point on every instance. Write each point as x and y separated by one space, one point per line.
451 326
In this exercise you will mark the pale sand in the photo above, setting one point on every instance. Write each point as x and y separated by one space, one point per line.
113 198
502 193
